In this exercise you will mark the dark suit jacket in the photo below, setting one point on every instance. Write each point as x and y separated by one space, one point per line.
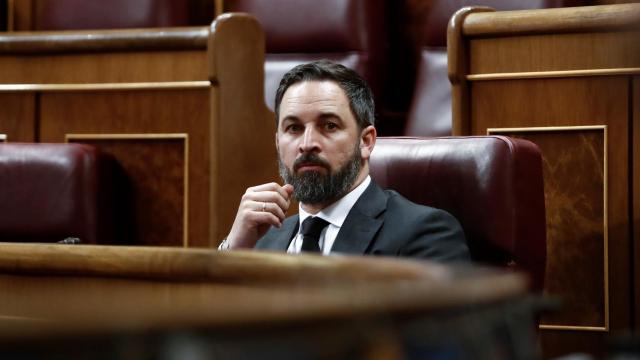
382 222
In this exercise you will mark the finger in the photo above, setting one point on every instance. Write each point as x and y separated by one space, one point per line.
252 207
266 217
274 209
285 191
272 186
267 196
288 188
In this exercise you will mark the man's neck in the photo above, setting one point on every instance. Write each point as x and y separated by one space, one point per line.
317 207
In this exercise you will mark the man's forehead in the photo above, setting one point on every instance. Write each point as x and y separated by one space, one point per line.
314 94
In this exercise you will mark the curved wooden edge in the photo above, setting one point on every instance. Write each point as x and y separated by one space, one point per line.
233 31
378 282
457 66
456 49
242 127
182 264
118 287
179 38
557 20
166 85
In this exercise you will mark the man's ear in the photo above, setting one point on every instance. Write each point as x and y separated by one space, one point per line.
367 141
277 143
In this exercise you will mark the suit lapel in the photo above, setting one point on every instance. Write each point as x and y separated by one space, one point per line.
279 239
362 222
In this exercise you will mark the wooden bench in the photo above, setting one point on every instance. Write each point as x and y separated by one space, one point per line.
181 109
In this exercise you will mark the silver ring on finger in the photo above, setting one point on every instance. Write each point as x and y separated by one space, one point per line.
264 206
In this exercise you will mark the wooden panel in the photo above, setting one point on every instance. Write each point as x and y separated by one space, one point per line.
549 52
528 46
557 102
22 16
556 343
17 117
137 112
106 67
571 102
155 182
577 243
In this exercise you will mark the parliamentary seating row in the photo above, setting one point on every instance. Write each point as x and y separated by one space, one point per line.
491 184
398 47
171 105
395 48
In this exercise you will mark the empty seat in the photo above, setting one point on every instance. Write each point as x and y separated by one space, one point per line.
114 14
50 192
351 32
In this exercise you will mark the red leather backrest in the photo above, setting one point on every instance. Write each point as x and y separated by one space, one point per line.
492 184
351 32
435 25
49 192
112 14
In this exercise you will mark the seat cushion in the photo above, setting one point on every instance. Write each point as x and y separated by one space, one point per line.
48 192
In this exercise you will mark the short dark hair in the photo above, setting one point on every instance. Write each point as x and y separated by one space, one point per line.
357 91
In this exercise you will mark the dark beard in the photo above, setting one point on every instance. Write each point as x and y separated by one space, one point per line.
313 187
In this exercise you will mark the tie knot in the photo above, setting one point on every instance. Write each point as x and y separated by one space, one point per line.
312 226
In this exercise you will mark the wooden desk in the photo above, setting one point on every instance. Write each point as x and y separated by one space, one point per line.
567 79
255 303
181 109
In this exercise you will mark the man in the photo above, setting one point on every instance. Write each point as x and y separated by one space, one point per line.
325 136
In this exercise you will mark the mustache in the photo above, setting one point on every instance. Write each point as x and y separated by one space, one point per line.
310 159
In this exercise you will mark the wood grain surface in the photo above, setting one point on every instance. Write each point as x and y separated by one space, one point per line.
595 40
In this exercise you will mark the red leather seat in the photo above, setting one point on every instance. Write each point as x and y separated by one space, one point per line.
112 14
430 109
492 184
49 192
350 32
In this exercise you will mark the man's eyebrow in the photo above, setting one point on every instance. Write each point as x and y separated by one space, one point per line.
330 115
290 118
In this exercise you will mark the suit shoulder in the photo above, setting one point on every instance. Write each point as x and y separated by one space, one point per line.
399 204
430 232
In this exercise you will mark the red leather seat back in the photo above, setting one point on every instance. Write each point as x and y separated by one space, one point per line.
430 109
112 14
49 192
351 32
492 184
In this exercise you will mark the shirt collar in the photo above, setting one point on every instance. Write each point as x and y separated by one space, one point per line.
337 212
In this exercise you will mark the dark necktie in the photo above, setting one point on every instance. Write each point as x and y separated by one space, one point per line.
311 229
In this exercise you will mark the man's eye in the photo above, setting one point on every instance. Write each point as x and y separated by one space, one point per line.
331 125
293 128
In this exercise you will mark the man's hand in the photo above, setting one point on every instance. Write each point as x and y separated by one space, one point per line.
261 207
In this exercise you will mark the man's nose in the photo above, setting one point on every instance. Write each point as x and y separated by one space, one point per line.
309 141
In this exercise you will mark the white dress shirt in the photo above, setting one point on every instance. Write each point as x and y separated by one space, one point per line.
334 214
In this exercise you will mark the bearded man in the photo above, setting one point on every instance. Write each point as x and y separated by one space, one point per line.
325 136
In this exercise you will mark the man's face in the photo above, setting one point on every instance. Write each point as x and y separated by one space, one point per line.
318 142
